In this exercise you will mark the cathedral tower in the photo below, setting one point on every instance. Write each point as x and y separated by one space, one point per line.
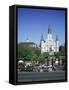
49 33
57 44
49 45
42 43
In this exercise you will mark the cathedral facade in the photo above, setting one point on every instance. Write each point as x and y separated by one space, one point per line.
49 45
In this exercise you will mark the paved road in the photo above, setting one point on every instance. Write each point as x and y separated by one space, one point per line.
38 76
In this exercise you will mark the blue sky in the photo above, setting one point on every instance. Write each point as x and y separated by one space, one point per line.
34 22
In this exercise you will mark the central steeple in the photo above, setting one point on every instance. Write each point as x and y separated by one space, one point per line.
49 33
49 29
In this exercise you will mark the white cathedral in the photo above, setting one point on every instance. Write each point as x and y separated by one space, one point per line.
49 45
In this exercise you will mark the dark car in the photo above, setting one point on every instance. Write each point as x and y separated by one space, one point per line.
21 67
45 69
29 68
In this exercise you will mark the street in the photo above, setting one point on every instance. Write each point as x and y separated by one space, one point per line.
38 76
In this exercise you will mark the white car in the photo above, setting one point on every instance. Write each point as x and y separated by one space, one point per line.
44 65
50 68
43 68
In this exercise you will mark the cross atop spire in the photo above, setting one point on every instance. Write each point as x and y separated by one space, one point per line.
49 29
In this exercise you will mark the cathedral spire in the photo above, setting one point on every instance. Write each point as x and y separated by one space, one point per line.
49 29
42 38
56 38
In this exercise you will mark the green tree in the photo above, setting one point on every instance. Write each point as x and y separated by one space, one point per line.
28 53
46 57
41 59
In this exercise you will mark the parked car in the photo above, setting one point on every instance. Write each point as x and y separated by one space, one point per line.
44 65
21 67
28 68
43 68
51 68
